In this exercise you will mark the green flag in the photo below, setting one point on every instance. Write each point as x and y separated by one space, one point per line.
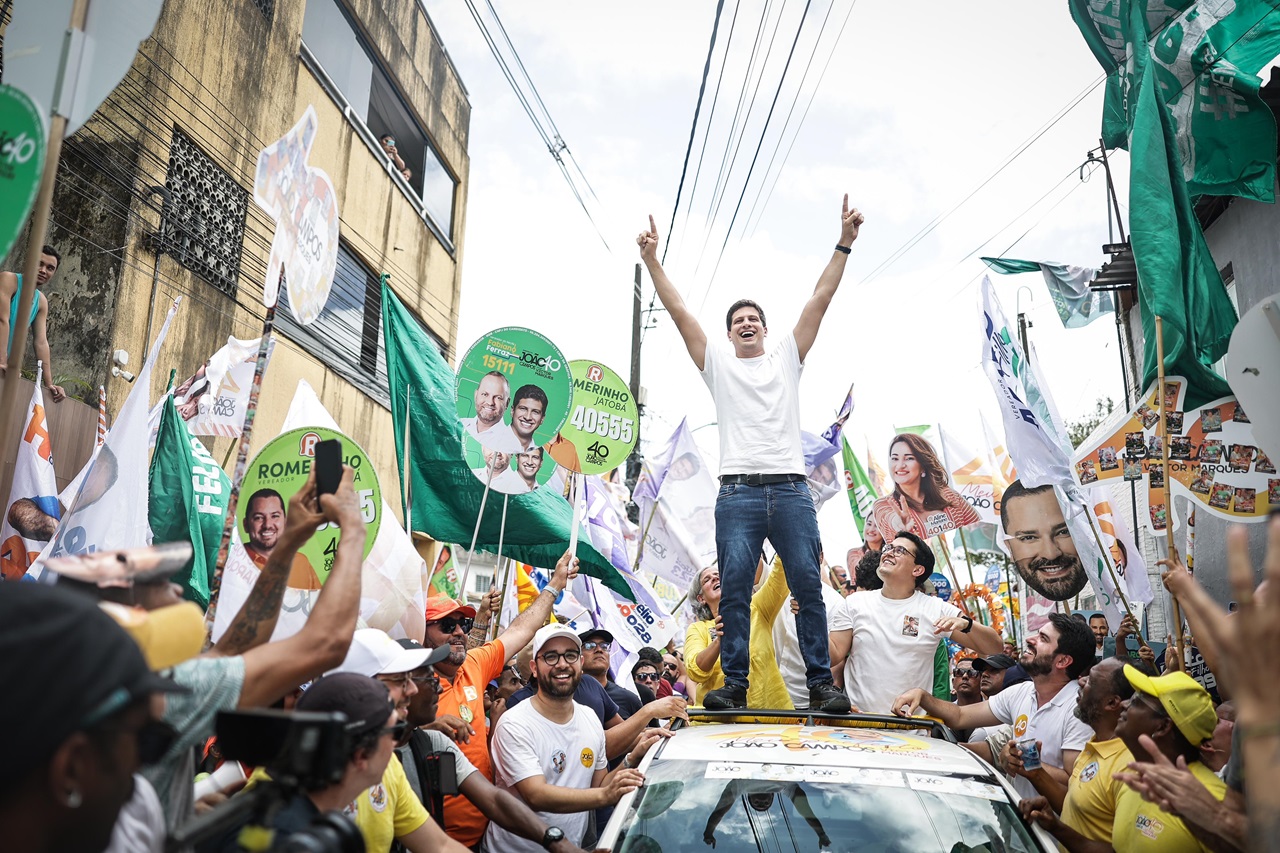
862 494
446 494
188 501
1177 279
1204 57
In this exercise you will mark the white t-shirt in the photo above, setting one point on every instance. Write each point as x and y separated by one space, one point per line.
786 643
527 744
758 409
1054 723
498 437
140 826
893 647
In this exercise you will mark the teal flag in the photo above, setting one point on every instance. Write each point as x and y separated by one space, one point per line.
1203 57
862 494
1177 279
446 495
1068 285
188 493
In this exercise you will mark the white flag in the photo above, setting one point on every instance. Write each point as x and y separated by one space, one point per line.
677 498
971 476
31 514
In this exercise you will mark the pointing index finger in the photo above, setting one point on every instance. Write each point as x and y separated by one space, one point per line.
653 228
845 211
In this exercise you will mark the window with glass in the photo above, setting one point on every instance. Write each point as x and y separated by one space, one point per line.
347 336
334 42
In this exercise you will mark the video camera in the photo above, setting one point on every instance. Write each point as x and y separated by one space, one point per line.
303 752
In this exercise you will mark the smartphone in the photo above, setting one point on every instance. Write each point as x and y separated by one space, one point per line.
328 466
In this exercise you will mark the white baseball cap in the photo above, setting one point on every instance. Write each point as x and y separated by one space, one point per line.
373 652
550 632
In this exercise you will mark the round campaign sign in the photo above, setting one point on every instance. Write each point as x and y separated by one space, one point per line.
514 390
602 428
22 145
278 471
512 473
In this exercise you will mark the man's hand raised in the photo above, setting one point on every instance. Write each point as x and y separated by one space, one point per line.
342 507
648 241
908 703
850 222
566 570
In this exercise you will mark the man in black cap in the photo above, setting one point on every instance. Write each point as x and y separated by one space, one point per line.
996 672
597 645
80 719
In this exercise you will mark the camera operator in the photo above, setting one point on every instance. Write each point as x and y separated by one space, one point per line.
79 718
244 670
371 730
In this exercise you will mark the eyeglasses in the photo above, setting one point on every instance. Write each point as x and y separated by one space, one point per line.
897 549
397 731
400 679
515 673
670 667
453 623
592 645
964 673
553 658
427 678
647 676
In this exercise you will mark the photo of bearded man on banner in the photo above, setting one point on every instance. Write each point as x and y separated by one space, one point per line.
1040 543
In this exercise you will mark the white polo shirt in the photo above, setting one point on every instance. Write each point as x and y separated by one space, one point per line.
1054 723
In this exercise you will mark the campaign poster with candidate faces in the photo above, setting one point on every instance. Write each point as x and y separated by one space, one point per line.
508 473
602 428
923 499
514 390
275 475
1213 457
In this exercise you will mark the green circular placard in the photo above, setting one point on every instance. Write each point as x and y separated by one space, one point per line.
22 148
601 431
282 467
509 479
493 374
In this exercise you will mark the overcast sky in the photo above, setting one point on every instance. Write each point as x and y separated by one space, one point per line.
922 103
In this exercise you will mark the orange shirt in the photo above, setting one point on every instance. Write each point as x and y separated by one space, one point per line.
301 574
464 697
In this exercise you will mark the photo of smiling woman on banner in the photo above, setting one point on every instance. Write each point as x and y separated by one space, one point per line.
922 501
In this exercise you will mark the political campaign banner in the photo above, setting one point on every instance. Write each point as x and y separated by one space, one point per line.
213 400
602 428
509 368
509 473
301 199
676 495
1213 458
444 576
862 494
972 476
22 150
275 475
32 511
923 500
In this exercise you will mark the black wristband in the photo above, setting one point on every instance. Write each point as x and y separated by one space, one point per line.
844 249
967 628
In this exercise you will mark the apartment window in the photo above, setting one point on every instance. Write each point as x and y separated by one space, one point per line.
266 7
202 220
347 336
332 39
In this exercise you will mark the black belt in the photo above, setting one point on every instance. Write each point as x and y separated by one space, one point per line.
760 479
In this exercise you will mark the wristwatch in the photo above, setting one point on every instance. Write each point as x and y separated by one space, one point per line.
967 628
553 835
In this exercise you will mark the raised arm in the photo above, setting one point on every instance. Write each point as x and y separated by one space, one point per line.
523 627
8 290
811 317
695 340
273 669
39 330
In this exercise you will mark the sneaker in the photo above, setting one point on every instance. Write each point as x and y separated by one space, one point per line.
826 698
725 698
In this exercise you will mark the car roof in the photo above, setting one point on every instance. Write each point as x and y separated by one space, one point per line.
826 743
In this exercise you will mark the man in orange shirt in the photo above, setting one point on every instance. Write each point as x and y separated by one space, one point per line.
263 522
463 678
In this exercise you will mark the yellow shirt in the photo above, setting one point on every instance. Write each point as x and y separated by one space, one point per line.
1090 806
1142 826
385 812
767 689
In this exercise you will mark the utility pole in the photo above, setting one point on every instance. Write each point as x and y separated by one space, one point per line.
633 461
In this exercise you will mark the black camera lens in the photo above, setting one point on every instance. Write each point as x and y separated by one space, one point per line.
331 832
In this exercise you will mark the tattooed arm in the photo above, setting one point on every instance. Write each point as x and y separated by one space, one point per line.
273 669
256 621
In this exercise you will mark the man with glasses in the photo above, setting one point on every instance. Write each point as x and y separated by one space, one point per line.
894 633
549 751
463 678
431 773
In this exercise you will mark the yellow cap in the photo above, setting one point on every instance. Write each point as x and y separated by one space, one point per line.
167 636
1183 699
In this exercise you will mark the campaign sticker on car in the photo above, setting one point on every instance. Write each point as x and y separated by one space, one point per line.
803 773
952 785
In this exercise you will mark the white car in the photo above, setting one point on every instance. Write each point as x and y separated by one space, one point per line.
735 781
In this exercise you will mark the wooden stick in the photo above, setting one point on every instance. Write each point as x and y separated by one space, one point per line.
406 476
1162 431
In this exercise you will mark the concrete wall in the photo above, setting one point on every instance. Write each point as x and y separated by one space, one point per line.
234 82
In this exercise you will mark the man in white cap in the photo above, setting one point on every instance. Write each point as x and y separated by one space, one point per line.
390 811
550 752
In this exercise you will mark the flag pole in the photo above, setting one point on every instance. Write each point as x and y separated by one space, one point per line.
475 534
242 463
502 529
577 515
1163 431
1106 558
406 474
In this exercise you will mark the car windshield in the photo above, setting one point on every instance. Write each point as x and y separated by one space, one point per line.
741 806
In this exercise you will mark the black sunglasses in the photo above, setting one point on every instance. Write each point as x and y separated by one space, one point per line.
451 623
964 673
647 676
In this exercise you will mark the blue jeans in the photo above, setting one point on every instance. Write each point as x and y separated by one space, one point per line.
784 514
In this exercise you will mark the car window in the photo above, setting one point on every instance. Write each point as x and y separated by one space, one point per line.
742 806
